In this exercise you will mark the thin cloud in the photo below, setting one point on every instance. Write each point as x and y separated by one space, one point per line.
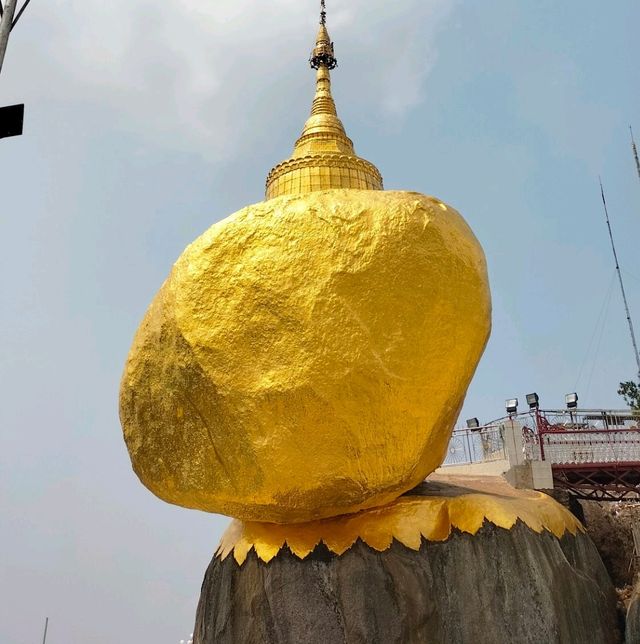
188 74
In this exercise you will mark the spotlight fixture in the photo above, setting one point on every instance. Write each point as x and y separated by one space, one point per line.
512 406
473 423
11 119
533 401
571 400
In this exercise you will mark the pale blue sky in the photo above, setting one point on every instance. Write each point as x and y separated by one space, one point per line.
147 122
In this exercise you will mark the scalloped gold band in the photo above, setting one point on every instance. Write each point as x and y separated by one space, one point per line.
408 520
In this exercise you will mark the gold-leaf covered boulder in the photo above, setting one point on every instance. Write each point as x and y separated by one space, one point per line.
307 356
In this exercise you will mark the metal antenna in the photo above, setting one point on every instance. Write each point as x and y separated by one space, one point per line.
635 152
323 13
44 637
624 295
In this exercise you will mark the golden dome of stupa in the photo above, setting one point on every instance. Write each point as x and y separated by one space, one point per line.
308 356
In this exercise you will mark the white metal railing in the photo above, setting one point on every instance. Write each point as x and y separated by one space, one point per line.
557 436
468 446
604 446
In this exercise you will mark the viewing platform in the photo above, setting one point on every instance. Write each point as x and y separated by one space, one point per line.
591 453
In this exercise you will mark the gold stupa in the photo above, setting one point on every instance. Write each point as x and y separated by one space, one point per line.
308 356
323 157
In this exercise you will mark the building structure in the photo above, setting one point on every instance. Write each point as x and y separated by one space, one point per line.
591 453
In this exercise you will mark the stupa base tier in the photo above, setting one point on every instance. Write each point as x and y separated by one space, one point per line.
535 578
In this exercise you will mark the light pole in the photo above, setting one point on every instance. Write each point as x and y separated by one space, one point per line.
11 117
6 25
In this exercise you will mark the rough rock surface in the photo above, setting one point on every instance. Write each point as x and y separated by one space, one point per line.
633 618
308 356
498 586
609 524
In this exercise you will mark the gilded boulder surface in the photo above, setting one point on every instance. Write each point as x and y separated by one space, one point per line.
307 356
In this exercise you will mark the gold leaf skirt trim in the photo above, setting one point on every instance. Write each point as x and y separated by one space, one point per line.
409 520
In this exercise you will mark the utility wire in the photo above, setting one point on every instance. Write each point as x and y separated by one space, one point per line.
24 6
624 295
5 27
603 308
599 342
8 22
632 276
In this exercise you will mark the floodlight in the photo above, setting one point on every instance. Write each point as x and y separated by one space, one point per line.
11 120
512 406
473 423
571 400
533 401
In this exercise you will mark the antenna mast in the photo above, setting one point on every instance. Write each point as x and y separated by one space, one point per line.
624 295
635 152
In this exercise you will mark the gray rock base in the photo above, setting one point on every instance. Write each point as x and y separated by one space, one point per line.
496 587
633 618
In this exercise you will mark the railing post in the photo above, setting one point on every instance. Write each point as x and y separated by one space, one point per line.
514 441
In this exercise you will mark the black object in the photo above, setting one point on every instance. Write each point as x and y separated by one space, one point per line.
11 120
533 400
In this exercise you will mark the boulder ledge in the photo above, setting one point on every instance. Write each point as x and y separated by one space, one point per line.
495 586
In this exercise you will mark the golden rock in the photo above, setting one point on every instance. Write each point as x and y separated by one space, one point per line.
307 356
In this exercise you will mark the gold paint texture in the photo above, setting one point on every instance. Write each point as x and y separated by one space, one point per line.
323 156
408 520
307 356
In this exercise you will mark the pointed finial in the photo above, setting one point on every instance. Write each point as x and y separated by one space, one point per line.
323 54
323 157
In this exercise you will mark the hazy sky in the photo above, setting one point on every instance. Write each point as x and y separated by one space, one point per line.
146 122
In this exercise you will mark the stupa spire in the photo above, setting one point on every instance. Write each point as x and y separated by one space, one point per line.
322 54
323 156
